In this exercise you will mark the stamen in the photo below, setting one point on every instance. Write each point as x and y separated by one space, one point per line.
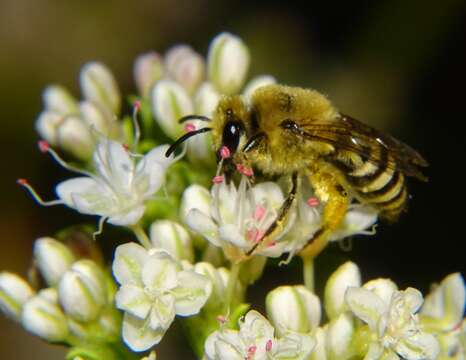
100 228
126 147
313 202
272 243
218 179
24 183
246 171
189 127
45 147
225 153
137 129
268 346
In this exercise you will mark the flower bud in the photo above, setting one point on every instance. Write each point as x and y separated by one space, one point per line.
99 85
58 99
170 102
75 137
47 125
53 259
339 336
293 308
98 118
206 99
194 197
334 295
43 317
228 62
185 66
217 281
14 293
173 238
82 291
148 69
256 83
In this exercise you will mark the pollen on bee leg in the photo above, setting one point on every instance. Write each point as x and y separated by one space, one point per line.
25 184
313 201
189 127
225 152
218 179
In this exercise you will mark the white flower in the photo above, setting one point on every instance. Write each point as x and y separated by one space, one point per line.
172 237
239 217
334 295
43 317
154 289
228 63
442 314
338 337
256 340
82 291
53 259
293 308
14 293
119 189
393 319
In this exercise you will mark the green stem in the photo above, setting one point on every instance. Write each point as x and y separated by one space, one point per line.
141 236
230 291
308 272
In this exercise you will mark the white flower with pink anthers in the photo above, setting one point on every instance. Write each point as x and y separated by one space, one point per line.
256 340
118 189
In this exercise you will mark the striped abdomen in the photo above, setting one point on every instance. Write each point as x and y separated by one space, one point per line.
378 184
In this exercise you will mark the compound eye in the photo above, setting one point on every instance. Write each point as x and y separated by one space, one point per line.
231 135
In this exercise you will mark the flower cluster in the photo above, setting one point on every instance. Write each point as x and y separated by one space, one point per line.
199 246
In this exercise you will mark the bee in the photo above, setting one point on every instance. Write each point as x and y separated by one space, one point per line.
297 132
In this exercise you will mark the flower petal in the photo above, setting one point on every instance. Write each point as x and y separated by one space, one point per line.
133 299
159 272
256 326
294 346
129 218
192 292
256 83
383 288
356 221
418 346
128 263
138 336
113 163
85 195
339 335
203 224
163 312
224 345
365 305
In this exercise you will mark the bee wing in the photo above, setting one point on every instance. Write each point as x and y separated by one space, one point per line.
346 133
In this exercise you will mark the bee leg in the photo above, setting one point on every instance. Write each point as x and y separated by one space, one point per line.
333 214
283 212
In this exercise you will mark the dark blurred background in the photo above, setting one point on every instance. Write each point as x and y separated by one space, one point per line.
397 65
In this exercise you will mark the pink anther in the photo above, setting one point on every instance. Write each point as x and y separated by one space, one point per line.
252 350
272 243
247 171
44 146
221 319
259 213
218 179
255 235
313 202
225 152
189 127
125 146
268 346
22 182
137 105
